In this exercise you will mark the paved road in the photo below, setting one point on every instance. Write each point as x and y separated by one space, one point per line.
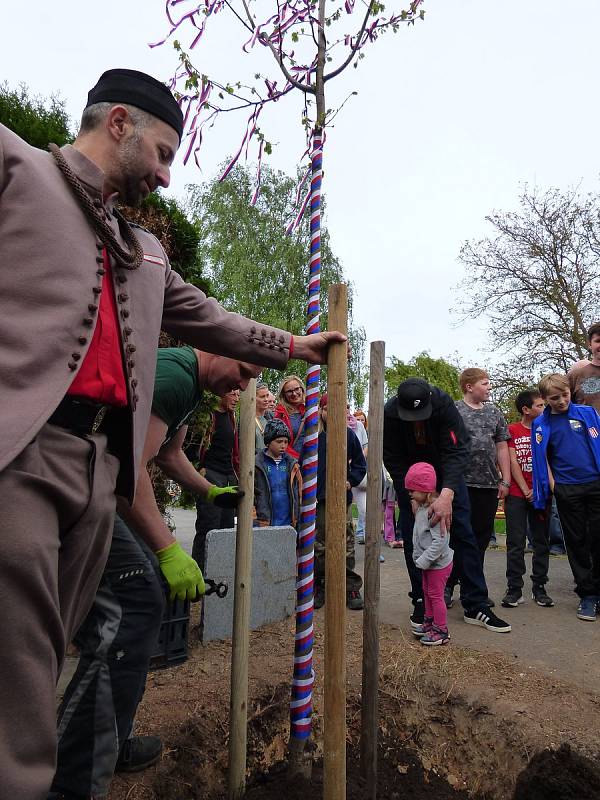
550 638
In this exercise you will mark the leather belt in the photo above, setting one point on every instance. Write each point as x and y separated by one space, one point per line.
79 415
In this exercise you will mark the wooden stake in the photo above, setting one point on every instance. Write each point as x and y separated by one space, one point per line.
238 707
334 774
370 663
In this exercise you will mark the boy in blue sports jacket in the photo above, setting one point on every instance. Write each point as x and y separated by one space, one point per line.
565 448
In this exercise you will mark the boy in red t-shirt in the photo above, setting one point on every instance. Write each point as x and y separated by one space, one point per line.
519 510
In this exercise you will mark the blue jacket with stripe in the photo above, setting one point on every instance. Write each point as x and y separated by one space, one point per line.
540 438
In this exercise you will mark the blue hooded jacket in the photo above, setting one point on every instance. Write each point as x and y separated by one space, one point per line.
540 438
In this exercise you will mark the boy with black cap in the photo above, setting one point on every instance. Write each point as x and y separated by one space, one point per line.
277 479
421 424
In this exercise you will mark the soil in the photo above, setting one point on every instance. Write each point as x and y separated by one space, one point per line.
453 724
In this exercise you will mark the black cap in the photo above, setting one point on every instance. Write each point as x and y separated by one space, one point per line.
140 90
414 400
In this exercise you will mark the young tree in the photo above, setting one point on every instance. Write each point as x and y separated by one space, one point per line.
36 120
310 43
537 279
437 371
256 269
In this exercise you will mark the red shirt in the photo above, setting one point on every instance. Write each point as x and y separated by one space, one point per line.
520 442
101 377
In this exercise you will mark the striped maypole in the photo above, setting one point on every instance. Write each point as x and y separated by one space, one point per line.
303 680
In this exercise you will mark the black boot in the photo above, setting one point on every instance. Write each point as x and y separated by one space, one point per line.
138 753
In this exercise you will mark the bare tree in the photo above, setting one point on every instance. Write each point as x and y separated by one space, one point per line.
537 280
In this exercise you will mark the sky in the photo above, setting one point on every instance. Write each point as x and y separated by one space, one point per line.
452 116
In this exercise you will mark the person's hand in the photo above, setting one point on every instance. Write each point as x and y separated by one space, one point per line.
224 496
313 348
502 491
181 573
529 494
348 487
441 510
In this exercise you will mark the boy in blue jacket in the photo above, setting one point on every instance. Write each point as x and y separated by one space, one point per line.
565 448
277 480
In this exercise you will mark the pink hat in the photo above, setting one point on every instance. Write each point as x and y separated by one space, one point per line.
421 477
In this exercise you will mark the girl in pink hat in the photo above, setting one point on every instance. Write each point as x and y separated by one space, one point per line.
431 553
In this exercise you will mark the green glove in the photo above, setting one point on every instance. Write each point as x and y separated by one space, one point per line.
181 573
224 497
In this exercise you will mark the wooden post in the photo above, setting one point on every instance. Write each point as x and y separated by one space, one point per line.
370 663
334 774
238 706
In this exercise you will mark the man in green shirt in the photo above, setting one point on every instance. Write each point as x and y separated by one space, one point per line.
119 636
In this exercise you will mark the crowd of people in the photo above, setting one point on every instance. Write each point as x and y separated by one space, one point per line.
450 466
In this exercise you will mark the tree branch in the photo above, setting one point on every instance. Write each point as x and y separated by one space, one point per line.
249 15
355 47
306 88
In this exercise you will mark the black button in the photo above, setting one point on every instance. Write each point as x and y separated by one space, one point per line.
72 366
88 321
92 308
82 340
75 356
101 271
124 313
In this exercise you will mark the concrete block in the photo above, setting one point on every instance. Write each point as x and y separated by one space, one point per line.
273 579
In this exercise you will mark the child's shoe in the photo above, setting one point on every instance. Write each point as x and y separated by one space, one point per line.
513 598
541 597
424 628
587 609
436 636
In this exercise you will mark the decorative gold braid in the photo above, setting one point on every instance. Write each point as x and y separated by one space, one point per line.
130 259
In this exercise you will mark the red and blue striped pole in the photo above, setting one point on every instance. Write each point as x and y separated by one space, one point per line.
303 679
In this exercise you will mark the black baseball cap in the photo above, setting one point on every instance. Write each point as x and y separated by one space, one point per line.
414 400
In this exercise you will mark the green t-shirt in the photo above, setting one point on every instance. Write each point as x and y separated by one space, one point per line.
176 389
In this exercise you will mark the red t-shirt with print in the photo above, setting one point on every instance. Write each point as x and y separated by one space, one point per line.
520 441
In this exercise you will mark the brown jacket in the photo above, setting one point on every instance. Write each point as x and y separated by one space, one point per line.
49 287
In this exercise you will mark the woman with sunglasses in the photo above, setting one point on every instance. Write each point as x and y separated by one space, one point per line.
290 408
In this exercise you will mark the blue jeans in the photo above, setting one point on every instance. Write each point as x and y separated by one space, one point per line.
467 560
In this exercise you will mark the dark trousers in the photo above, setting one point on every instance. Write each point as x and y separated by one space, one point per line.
519 513
116 642
353 579
467 561
211 517
484 505
579 511
58 500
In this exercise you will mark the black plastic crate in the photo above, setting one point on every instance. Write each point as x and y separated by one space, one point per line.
173 637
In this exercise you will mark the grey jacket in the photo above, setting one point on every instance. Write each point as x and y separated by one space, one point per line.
431 550
49 284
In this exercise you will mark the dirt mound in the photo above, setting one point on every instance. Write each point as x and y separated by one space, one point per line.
559 774
453 724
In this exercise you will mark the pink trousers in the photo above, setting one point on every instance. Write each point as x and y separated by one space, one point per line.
434 583
389 520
